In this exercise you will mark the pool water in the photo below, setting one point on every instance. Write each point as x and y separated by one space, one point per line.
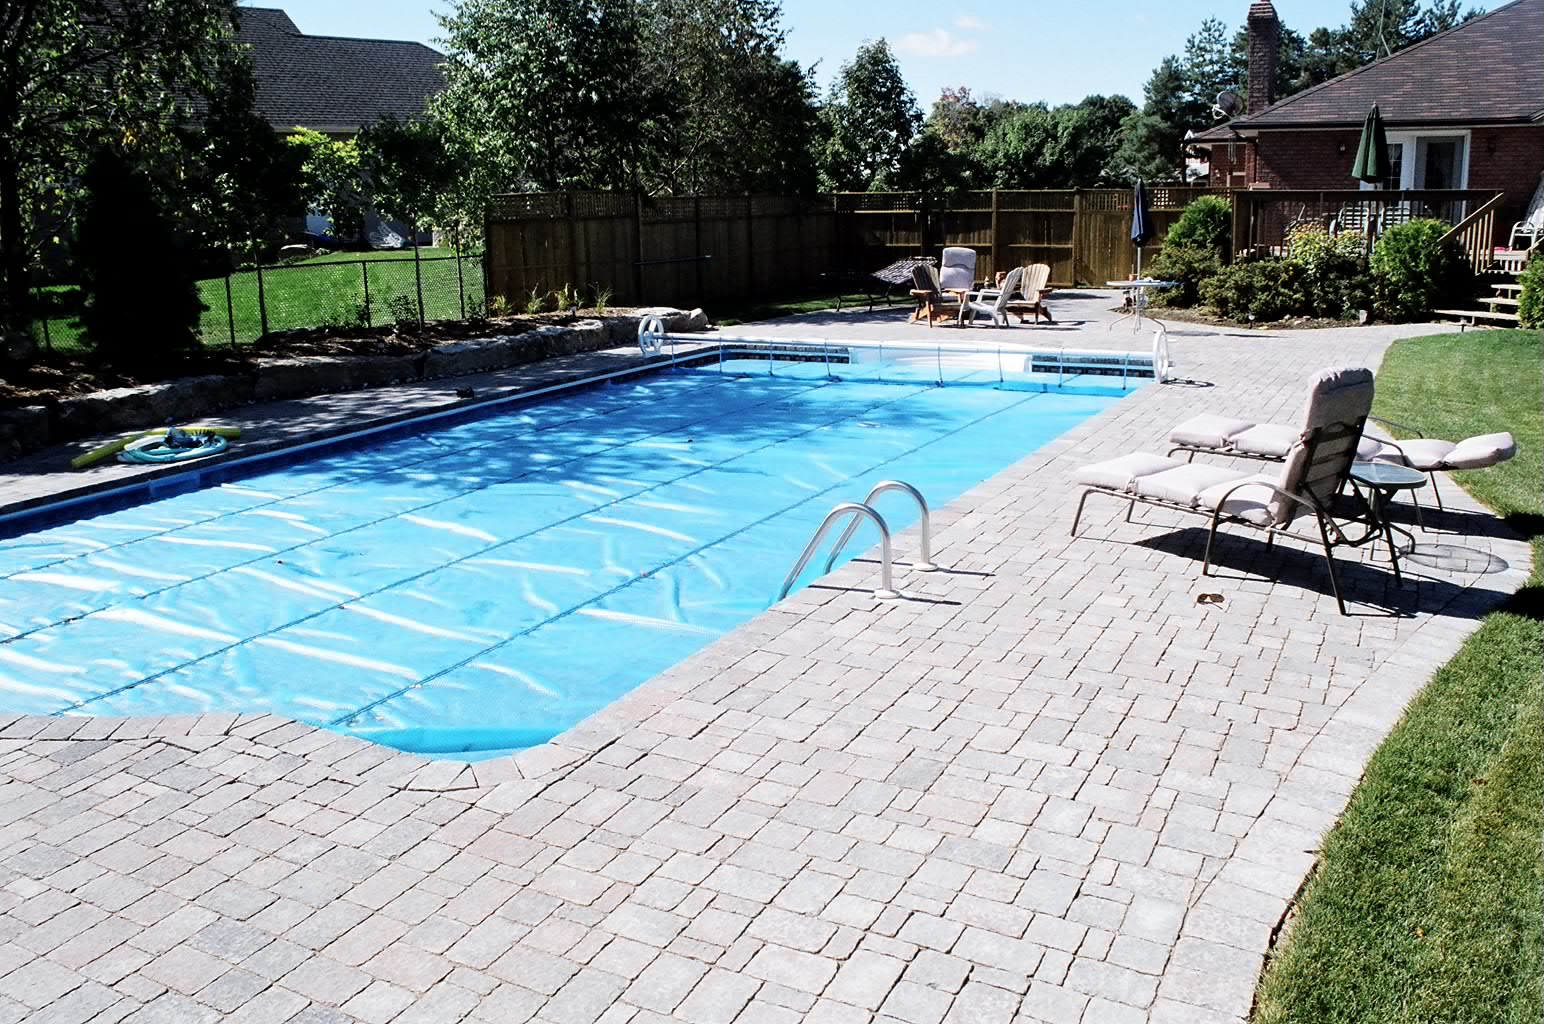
482 586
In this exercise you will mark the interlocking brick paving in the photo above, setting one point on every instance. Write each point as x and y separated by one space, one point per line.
1048 785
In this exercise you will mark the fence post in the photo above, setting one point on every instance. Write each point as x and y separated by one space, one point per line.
418 277
48 339
455 241
364 265
999 265
487 254
638 244
697 241
573 251
230 308
750 251
1077 230
262 298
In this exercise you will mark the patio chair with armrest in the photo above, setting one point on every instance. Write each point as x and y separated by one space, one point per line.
994 302
1531 228
1208 434
1315 470
932 301
1031 294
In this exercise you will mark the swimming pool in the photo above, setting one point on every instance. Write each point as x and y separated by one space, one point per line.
478 586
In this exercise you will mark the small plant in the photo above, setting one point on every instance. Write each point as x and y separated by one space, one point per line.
1262 291
536 302
498 306
1416 271
1206 223
1530 305
349 317
404 313
1336 278
568 298
1187 264
602 300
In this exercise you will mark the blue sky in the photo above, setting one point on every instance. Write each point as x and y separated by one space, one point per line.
1024 49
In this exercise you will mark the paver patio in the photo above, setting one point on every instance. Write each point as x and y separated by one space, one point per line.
1047 786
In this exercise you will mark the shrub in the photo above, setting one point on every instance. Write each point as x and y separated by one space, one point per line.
1207 223
1264 290
1187 264
1335 275
1415 271
138 276
1530 309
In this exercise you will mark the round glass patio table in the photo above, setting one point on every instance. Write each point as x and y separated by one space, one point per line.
1381 481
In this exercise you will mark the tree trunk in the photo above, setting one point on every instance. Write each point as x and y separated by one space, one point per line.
13 260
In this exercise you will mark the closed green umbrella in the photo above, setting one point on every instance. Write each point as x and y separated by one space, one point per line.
1372 153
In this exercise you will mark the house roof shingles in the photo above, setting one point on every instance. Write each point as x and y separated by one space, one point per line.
1486 71
334 83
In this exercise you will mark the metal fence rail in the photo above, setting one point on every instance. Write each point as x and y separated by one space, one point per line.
340 290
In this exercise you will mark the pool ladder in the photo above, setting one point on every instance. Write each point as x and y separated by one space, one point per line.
856 512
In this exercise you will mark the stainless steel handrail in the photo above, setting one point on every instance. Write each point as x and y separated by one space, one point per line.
924 562
886 590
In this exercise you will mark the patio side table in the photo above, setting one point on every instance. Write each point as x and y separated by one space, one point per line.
1381 481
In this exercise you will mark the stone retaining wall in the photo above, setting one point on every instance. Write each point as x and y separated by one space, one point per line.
182 401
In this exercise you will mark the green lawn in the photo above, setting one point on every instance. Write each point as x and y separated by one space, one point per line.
327 290
736 313
1426 907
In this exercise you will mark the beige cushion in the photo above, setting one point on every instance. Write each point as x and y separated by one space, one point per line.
1479 452
1425 453
1370 449
1119 474
1269 439
1208 431
1253 502
1184 483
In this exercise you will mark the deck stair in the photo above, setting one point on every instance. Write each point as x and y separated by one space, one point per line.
1499 309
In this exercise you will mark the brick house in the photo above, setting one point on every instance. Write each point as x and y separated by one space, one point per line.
1463 109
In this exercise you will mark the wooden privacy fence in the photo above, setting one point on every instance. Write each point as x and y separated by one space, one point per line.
687 251
1084 235
696 250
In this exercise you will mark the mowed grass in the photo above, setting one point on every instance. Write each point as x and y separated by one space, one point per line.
325 291
1427 903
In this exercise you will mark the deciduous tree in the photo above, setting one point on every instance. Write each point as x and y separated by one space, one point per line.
868 122
78 74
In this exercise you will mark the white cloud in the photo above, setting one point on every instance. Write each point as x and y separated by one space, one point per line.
937 43
967 23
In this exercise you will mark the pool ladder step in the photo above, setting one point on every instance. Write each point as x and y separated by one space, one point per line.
855 512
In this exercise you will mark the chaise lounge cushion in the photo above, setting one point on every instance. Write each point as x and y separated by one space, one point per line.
1253 502
1209 431
1184 483
1119 474
1269 439
1482 451
1425 453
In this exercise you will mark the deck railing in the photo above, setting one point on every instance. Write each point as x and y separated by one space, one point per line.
1476 234
1263 218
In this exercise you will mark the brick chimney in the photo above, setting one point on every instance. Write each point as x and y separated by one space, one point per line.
1264 28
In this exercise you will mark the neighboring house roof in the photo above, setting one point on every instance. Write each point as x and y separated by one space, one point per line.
1488 71
333 83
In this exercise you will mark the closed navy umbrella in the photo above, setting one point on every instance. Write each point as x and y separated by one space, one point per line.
1141 222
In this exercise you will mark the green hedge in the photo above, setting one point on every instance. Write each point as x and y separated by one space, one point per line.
1531 307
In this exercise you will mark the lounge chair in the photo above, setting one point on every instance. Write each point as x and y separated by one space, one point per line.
1031 297
932 301
994 302
1270 442
1314 472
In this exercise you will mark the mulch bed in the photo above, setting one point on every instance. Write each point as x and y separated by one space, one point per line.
1202 316
51 378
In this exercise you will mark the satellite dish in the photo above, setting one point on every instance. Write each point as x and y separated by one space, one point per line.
1229 104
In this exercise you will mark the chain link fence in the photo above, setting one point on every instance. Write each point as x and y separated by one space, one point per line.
343 290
